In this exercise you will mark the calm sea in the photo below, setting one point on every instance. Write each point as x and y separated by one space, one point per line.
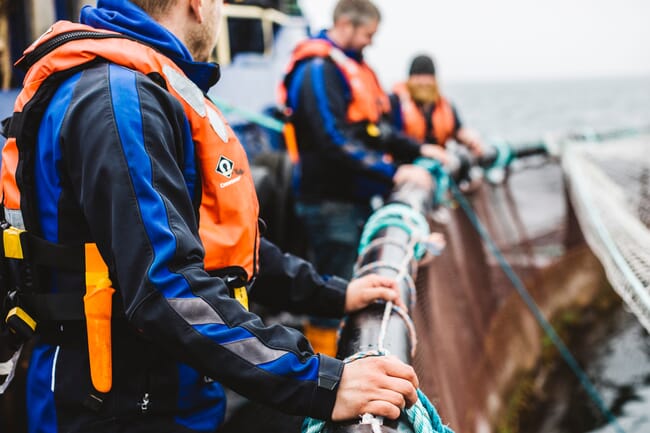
618 361
527 110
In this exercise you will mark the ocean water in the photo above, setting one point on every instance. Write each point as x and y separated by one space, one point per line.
525 111
617 358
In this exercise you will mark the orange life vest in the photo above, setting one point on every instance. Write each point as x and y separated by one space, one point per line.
415 124
369 101
228 212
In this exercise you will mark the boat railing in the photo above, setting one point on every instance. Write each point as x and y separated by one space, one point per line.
268 17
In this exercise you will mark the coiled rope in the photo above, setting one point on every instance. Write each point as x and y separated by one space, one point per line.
423 416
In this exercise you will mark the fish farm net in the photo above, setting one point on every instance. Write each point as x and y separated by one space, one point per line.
609 185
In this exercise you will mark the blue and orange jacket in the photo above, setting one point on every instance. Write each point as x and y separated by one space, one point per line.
333 96
131 156
436 127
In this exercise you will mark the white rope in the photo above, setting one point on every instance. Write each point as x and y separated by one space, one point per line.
8 368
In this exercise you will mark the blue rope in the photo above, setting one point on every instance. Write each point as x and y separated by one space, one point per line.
311 425
439 176
530 302
423 416
396 215
504 154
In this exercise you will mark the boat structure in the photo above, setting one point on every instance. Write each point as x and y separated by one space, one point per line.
529 234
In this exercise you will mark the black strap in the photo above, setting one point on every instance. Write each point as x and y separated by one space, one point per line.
62 257
430 133
5 127
63 307
55 307
38 251
14 125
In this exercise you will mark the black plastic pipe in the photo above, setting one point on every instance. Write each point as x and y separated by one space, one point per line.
390 249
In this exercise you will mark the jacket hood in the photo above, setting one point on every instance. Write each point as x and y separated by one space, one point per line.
126 18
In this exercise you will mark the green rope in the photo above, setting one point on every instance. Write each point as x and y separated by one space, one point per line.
440 178
396 215
312 425
504 154
423 416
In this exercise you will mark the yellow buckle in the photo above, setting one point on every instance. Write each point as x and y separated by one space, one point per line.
23 316
373 130
12 245
241 295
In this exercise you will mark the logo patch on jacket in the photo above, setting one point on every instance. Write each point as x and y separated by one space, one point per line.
225 166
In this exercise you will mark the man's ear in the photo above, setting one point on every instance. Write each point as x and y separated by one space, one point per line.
196 8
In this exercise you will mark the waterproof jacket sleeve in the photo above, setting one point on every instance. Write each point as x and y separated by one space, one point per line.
403 148
290 283
320 97
126 145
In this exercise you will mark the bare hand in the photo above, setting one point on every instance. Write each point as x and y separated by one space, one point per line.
412 173
382 386
369 288
470 139
433 151
438 242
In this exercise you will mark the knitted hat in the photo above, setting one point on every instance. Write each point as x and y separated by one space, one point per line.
422 64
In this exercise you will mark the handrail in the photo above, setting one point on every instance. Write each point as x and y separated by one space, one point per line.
267 16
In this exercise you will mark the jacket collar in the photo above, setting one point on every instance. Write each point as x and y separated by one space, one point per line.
353 54
124 17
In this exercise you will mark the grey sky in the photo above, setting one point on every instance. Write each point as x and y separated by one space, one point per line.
508 39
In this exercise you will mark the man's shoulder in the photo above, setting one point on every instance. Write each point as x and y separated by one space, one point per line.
108 80
106 90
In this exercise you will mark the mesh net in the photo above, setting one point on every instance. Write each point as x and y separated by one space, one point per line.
609 183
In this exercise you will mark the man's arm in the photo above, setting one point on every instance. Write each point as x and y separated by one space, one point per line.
466 136
290 283
124 140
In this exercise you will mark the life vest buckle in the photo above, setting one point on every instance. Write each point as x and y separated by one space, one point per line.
373 130
11 239
241 295
21 324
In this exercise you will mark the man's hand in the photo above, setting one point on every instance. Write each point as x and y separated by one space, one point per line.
382 386
470 139
369 288
412 173
433 151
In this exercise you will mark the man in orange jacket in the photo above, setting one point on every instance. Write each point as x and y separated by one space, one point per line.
420 110
349 152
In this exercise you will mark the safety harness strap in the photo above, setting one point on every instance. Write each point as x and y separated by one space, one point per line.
57 307
23 245
61 257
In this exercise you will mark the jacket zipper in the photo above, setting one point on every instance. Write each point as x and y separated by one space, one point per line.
47 47
144 403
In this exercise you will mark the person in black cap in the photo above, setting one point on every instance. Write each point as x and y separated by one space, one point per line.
420 111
